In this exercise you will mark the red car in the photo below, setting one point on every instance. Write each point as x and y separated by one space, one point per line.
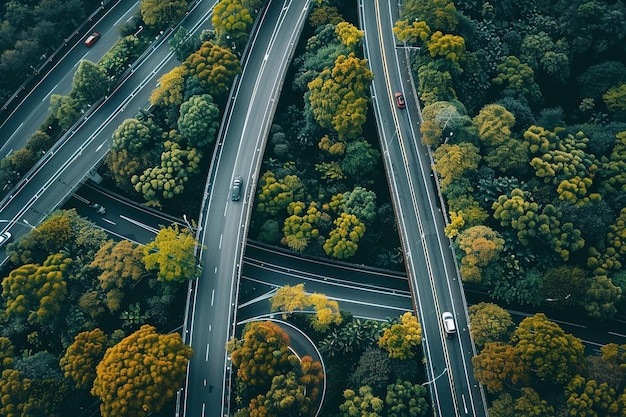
92 39
400 100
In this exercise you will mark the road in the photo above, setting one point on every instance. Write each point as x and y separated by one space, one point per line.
63 169
33 110
431 268
224 222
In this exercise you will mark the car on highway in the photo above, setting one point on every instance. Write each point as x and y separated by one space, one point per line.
448 324
98 208
93 38
235 189
4 238
400 100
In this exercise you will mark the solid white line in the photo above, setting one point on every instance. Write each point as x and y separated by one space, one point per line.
617 334
109 221
206 356
16 130
212 297
78 62
49 93
221 237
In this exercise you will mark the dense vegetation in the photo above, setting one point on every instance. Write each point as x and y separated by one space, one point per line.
30 31
524 109
322 191
72 304
381 360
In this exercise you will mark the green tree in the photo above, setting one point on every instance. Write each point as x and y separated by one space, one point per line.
434 85
360 161
21 396
132 151
602 297
338 97
65 109
372 370
405 399
363 404
343 240
540 52
517 79
168 179
36 292
172 255
552 355
141 373
162 14
82 356
402 340
489 323
615 98
614 167
199 121
289 299
90 82
440 116
438 14
184 43
531 404
499 364
361 203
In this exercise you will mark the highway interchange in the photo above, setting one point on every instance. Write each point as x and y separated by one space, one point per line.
211 317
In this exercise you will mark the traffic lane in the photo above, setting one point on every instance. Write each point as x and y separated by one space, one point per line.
285 259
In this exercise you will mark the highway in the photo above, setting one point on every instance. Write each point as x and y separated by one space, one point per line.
431 268
223 222
67 164
33 110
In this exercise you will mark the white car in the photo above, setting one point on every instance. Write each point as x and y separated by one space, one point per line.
448 323
4 238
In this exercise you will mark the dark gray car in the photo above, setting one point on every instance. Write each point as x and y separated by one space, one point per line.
235 189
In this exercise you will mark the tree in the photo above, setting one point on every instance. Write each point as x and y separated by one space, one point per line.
338 97
170 89
361 203
586 397
452 162
499 364
82 356
363 404
401 340
199 121
36 292
289 299
141 373
215 67
24 396
440 116
552 355
482 247
434 85
348 34
602 297
300 227
134 149
66 109
494 124
343 240
184 43
121 266
168 180
450 47
414 34
275 194
172 255
438 14
489 323
360 161
263 354
232 22
326 312
373 370
90 82
540 52
162 14
405 399
517 79
286 396
63 231
615 98
531 404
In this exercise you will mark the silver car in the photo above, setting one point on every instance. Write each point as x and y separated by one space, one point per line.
448 324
